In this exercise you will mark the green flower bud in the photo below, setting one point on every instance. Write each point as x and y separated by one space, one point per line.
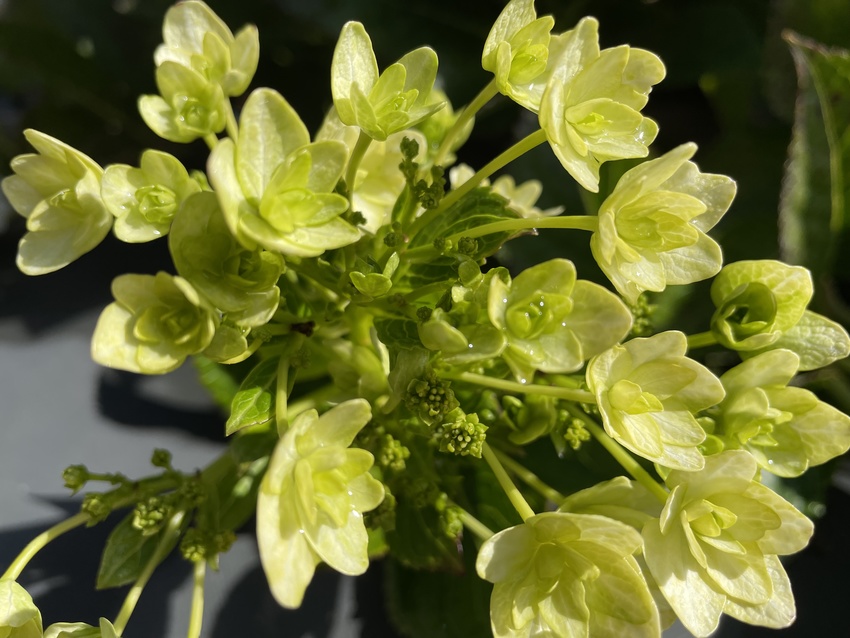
463 436
392 453
153 325
58 191
161 458
19 617
75 477
97 506
152 514
430 397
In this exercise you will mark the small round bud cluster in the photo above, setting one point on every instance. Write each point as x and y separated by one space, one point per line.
383 516
423 313
576 433
151 514
642 312
75 477
97 506
464 436
392 453
441 244
395 237
467 245
191 492
161 458
199 544
451 523
430 397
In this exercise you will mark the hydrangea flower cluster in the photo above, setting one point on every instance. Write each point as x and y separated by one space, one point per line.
386 364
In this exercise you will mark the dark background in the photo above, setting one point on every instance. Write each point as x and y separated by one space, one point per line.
74 69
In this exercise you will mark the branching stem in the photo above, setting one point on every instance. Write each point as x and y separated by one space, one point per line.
568 394
162 549
469 111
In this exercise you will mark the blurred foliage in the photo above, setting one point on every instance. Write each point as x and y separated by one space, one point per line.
75 68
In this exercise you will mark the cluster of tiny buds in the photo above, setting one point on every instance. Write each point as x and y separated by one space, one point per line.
463 437
200 544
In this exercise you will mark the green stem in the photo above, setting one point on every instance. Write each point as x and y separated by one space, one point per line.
474 525
284 386
517 500
578 222
196 616
515 151
626 460
701 340
469 111
232 126
363 142
39 542
568 394
530 479
211 140
162 549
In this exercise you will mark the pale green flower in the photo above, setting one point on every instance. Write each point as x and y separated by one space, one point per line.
716 547
553 322
378 181
189 106
383 104
521 197
564 575
312 498
590 109
195 37
786 429
761 305
81 630
19 617
57 189
652 227
517 52
153 325
241 283
275 187
145 199
648 392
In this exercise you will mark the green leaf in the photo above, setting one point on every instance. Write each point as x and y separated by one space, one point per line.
255 400
126 553
428 604
398 333
814 204
479 207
